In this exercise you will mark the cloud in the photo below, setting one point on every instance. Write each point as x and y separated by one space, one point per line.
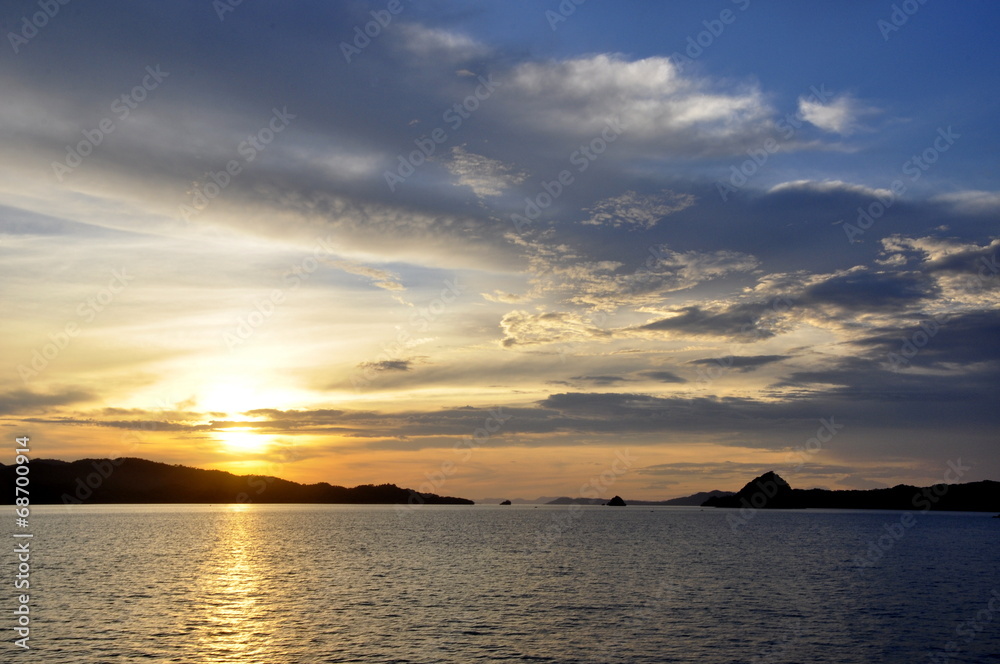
689 268
522 328
601 380
663 376
381 278
847 303
659 108
743 363
941 254
829 187
742 323
840 116
438 44
641 211
21 401
387 365
865 291
972 201
965 340
965 274
485 176
637 269
559 271
504 297
852 393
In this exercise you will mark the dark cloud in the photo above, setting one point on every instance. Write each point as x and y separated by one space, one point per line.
601 380
743 363
27 401
979 264
965 340
387 365
870 291
663 376
739 323
323 415
145 425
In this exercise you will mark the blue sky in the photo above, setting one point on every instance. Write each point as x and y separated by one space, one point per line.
222 245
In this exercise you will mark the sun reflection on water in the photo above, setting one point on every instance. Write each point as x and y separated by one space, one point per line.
233 592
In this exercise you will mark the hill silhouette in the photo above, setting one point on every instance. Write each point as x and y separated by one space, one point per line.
133 480
770 491
691 501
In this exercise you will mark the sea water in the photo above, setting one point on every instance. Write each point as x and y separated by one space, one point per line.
464 584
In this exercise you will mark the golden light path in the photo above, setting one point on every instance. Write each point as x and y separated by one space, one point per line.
232 619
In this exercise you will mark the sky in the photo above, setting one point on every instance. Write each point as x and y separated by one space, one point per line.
505 249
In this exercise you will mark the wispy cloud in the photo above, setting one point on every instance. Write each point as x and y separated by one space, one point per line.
380 278
841 115
485 176
637 211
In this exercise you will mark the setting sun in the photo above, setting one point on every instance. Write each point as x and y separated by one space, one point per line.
242 440
231 396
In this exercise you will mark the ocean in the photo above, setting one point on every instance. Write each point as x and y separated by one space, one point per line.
336 583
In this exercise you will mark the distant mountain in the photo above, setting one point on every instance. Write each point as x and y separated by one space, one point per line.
131 480
770 491
692 500
566 500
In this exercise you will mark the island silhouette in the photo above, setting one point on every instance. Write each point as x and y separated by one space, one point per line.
134 480
690 501
770 491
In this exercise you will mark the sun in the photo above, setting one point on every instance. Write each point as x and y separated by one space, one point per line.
236 394
242 439
227 402
228 397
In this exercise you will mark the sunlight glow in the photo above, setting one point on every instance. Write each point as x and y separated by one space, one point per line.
230 397
242 439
